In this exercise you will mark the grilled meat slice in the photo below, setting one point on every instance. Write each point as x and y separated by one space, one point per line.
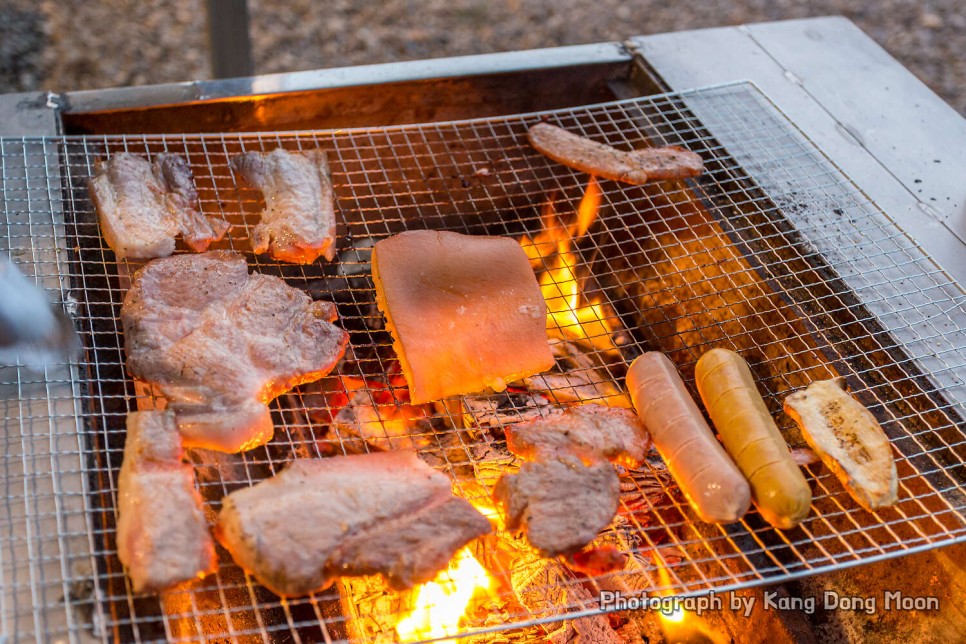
385 512
142 206
182 197
848 439
298 223
220 344
568 491
590 431
410 549
465 311
636 166
162 536
559 502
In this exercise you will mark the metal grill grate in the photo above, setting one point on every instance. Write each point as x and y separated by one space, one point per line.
772 252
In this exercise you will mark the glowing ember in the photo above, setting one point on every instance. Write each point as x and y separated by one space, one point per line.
487 510
441 603
568 316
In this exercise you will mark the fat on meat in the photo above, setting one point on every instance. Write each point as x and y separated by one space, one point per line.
298 222
220 344
385 512
143 206
162 535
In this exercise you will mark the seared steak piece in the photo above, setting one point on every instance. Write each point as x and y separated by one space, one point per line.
598 159
386 512
142 206
559 502
162 536
590 431
298 223
220 344
568 491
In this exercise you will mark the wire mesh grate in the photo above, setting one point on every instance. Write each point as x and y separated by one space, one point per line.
772 252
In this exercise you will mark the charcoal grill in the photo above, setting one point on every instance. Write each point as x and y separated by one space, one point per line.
775 252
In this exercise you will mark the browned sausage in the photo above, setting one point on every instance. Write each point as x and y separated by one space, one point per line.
710 480
750 435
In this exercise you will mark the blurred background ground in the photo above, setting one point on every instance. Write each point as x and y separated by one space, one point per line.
83 44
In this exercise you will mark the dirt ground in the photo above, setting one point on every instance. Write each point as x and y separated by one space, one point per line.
78 44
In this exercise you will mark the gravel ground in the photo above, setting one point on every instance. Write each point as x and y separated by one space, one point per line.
79 44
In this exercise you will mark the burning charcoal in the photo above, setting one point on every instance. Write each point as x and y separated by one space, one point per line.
383 426
577 377
576 388
595 561
503 408
351 284
646 489
542 587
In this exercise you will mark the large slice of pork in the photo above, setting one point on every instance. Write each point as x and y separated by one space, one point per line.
142 206
162 535
298 223
385 512
220 344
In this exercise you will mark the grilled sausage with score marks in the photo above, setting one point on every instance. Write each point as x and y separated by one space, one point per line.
751 436
712 483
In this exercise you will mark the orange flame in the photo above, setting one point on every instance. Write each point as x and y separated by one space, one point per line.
679 625
568 316
441 603
673 615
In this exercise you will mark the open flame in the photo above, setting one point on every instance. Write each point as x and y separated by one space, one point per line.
441 603
674 614
679 625
568 315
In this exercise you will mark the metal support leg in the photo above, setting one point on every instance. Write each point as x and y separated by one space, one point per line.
228 38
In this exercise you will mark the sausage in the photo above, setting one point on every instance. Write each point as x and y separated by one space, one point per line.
751 436
635 167
710 480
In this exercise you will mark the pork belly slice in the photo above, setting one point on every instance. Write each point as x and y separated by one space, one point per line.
560 503
162 535
590 431
385 512
465 311
298 223
142 207
221 344
598 159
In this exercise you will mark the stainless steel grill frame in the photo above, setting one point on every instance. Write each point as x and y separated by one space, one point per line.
851 294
